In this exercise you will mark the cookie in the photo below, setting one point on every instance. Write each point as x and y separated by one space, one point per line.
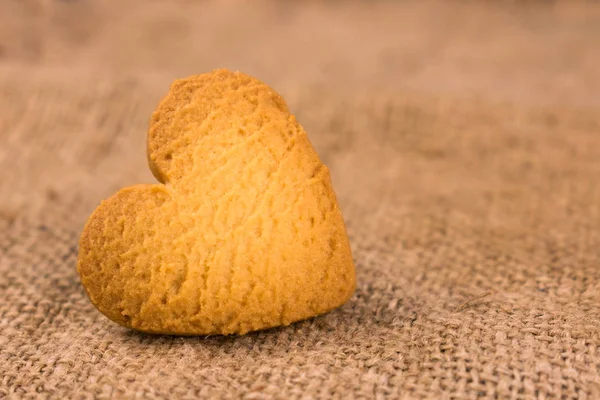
242 233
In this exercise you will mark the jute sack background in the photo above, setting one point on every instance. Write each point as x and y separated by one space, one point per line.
464 145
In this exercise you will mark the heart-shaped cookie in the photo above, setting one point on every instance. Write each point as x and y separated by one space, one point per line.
244 231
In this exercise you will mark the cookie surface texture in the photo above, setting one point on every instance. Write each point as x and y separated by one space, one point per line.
242 233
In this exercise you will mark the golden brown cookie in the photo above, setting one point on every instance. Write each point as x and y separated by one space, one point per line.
244 231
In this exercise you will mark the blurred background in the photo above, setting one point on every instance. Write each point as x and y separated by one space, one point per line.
463 139
91 72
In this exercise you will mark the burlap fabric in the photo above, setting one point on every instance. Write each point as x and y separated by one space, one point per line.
464 145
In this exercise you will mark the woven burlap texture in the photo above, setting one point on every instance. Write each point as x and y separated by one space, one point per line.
464 146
